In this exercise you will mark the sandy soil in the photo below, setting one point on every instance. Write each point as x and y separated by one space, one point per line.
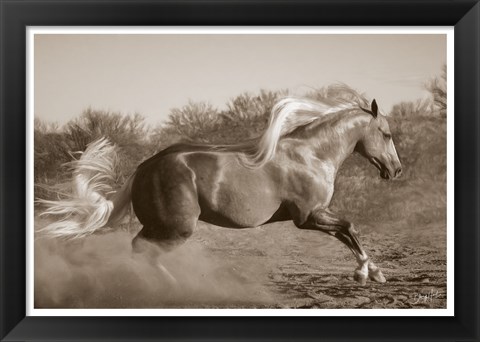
273 266
305 269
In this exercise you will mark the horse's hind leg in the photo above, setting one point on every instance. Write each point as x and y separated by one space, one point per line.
165 200
152 251
166 239
323 220
166 233
162 243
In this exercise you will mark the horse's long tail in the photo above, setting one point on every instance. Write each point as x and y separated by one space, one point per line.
87 209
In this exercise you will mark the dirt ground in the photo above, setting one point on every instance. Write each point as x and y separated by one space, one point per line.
273 266
305 269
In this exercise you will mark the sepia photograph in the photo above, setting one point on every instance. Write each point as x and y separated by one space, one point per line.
270 170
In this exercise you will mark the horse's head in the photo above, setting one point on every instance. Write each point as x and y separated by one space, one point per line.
377 145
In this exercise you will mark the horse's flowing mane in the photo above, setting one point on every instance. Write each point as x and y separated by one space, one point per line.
290 113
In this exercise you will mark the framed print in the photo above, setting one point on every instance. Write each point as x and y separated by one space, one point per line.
148 263
343 136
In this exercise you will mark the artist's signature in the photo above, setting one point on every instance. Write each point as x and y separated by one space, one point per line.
425 298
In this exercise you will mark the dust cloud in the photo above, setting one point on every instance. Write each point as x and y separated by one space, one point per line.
101 271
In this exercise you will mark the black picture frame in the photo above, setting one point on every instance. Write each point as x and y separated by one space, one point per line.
16 15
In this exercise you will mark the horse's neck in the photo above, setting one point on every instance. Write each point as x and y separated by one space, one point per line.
333 142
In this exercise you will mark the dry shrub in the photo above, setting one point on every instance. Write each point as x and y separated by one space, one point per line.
54 147
437 86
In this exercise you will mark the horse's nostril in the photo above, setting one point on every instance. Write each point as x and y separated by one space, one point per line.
398 172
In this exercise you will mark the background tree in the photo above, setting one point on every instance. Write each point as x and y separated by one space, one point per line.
437 86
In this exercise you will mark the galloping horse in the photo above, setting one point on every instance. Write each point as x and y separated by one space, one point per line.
288 173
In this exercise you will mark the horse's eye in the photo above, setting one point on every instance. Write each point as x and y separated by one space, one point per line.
387 135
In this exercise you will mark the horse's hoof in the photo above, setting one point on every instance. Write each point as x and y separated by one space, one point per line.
360 277
377 275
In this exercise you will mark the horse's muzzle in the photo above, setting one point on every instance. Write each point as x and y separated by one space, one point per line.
386 174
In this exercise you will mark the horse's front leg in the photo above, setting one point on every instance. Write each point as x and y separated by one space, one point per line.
325 221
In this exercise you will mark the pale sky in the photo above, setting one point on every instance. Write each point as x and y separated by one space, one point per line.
150 74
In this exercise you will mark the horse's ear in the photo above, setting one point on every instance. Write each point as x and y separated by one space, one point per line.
374 108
